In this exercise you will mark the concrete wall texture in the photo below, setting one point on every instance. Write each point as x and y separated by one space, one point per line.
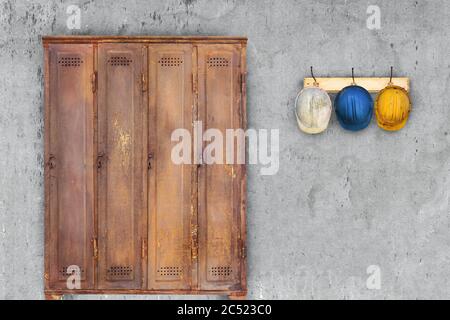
340 201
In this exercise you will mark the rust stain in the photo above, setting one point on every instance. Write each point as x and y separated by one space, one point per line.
229 169
123 139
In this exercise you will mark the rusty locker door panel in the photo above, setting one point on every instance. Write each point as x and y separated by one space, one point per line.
121 169
219 184
69 164
169 184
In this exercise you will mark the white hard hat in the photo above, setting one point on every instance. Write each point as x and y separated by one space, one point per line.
313 110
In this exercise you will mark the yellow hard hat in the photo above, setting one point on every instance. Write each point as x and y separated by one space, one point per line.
392 107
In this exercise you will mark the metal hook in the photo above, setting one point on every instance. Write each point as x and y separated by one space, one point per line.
390 79
353 76
312 75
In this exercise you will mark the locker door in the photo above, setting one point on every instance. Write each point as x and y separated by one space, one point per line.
69 169
169 183
121 165
219 184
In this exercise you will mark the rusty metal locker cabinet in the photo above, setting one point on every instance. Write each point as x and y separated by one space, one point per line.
120 216
120 164
69 164
170 186
219 103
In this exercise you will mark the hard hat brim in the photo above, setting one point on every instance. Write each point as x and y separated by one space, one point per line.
395 127
355 127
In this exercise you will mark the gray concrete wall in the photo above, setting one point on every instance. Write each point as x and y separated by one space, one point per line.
340 202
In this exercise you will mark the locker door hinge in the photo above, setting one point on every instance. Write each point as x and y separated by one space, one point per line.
94 81
243 80
194 241
143 248
194 85
143 82
95 247
243 249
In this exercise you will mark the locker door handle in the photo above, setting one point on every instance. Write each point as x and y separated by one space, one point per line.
149 161
100 157
51 163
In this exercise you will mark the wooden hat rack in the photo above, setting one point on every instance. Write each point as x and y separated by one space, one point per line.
373 85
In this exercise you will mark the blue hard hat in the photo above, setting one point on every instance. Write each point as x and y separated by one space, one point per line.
354 107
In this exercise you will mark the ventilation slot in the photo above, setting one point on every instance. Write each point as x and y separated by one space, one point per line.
70 61
170 271
120 273
117 61
62 271
217 62
221 272
170 61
